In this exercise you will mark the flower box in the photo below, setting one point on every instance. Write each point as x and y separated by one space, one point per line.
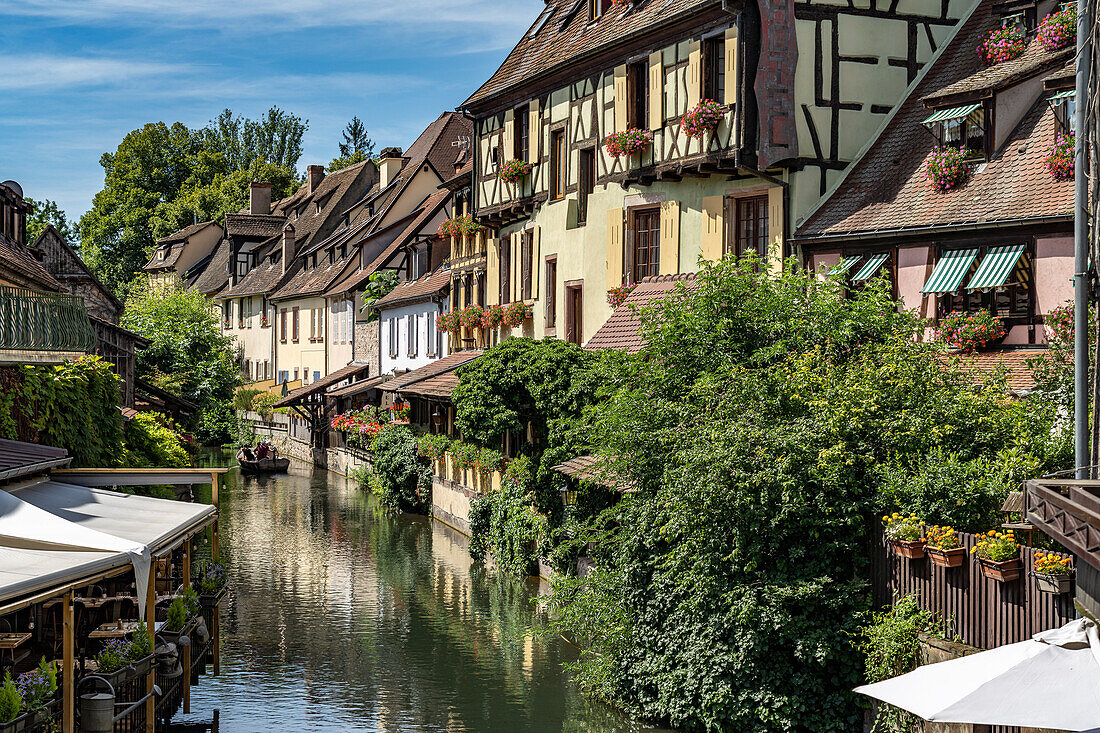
514 171
702 119
1051 583
909 550
33 721
1002 572
137 669
952 558
631 142
210 600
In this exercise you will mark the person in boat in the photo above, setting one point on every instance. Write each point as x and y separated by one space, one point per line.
248 454
264 450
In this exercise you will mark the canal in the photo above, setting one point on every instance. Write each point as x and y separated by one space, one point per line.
344 617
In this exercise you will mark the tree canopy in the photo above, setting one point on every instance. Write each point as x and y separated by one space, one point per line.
356 146
47 212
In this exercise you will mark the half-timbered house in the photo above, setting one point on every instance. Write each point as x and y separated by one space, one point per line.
801 87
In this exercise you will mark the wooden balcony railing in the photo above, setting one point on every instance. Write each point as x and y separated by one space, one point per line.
33 321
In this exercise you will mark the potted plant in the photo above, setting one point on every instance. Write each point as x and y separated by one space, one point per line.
11 705
1059 29
514 171
209 580
904 534
471 316
29 702
970 331
516 313
492 316
628 143
702 118
943 547
1053 574
616 296
459 226
1002 44
998 556
181 612
946 169
1059 159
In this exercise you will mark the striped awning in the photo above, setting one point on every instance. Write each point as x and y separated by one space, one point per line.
846 265
871 267
994 270
1062 96
955 113
950 271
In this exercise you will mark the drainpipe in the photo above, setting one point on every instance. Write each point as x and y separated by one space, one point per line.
1081 249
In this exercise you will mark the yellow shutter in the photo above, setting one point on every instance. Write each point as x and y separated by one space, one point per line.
656 91
695 74
670 238
536 259
776 228
620 98
713 227
733 86
535 131
614 248
509 135
492 273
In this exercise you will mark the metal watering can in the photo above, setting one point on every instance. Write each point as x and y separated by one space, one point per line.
97 709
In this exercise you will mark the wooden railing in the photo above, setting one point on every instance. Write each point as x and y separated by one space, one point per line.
32 321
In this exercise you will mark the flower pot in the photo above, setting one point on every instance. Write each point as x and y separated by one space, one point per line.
1002 572
952 558
33 721
1051 583
913 550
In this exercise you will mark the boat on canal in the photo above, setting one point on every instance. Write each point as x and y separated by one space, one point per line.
264 458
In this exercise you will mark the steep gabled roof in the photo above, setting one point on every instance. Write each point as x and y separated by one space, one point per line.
183 234
265 276
51 231
253 226
215 274
885 191
1035 60
329 199
310 281
562 34
17 258
423 288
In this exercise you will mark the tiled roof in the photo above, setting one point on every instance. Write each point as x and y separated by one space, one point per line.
440 386
1013 363
1035 60
357 388
171 257
422 288
309 281
184 233
263 278
254 226
331 193
434 145
351 370
885 190
20 459
623 329
592 469
215 276
565 34
1063 77
19 259
446 364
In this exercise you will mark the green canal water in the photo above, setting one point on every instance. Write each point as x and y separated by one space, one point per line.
343 617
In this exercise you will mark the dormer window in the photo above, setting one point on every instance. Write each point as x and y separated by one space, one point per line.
960 127
1064 104
161 253
596 8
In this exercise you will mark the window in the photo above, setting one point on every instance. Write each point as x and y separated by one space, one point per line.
430 330
316 324
480 279
637 94
644 253
968 131
412 334
349 321
527 247
295 374
393 338
522 129
1065 112
505 270
229 314
551 292
1010 301
282 325
747 230
494 156
337 323
242 266
557 165
586 179
596 8
574 307
295 323
714 70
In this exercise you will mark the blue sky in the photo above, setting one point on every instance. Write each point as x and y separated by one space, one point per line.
80 74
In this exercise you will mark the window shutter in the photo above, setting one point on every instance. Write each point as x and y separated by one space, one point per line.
628 249
536 258
670 238
517 266
534 131
656 91
713 229
509 135
733 80
695 74
614 248
492 272
620 98
776 227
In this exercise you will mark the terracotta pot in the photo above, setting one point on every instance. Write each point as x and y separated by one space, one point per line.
952 558
1002 572
1057 584
912 550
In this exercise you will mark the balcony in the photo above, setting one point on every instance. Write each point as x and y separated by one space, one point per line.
43 328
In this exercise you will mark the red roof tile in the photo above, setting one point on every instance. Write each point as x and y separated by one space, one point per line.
1013 363
18 258
623 329
415 291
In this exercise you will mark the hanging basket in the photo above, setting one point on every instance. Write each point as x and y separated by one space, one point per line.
910 550
1056 584
952 558
1002 572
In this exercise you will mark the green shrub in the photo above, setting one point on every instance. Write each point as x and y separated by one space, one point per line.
114 655
141 645
216 424
505 524
433 445
11 702
177 615
244 399
400 476
263 404
151 443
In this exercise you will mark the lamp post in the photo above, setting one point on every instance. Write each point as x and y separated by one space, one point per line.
1081 248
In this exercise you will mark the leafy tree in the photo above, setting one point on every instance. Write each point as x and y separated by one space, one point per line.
355 148
188 356
379 284
48 212
275 138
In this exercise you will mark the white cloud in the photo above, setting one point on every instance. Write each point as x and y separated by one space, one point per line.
30 72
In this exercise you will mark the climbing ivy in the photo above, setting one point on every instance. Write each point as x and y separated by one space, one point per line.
505 524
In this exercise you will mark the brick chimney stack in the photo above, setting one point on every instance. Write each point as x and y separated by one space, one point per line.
389 166
315 174
290 246
259 198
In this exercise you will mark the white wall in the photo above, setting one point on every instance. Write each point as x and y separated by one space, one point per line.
427 337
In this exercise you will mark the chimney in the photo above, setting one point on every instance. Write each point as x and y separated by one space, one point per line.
290 246
389 165
259 198
315 174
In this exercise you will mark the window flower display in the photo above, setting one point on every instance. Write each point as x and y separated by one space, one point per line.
616 296
459 226
628 143
998 555
1002 44
703 118
946 169
970 331
1059 29
514 171
1059 159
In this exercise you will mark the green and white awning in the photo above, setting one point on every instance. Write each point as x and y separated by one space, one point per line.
950 271
846 265
1063 96
994 270
870 267
955 113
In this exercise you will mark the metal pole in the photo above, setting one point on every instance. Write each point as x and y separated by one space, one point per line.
1081 249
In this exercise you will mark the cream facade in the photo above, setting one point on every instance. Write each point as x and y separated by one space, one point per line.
247 320
300 346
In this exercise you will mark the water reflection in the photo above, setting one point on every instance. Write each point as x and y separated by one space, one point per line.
344 617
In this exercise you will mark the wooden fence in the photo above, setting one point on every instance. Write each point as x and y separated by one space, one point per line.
984 613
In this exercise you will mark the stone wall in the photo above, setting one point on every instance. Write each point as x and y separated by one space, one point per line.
366 346
451 503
